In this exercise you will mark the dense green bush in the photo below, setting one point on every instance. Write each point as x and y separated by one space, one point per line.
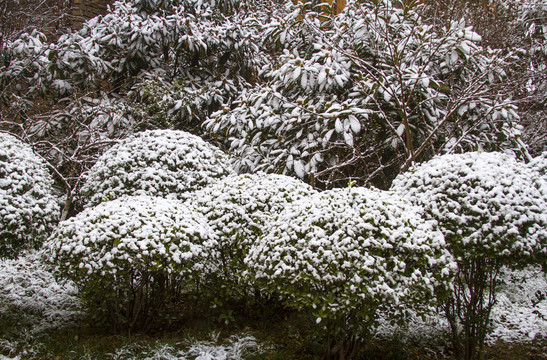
238 209
347 255
28 207
129 255
164 163
492 214
364 93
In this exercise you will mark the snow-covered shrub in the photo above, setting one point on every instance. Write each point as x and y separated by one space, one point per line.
28 285
367 90
539 166
28 207
238 209
349 254
485 203
128 254
164 163
491 214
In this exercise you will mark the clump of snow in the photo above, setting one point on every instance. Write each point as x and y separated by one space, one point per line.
486 203
2 357
28 285
239 207
28 207
164 163
346 251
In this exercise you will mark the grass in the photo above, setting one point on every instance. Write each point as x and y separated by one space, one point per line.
194 326
282 335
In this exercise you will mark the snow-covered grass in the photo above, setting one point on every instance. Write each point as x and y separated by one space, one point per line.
30 295
27 285
32 303
520 314
521 310
235 348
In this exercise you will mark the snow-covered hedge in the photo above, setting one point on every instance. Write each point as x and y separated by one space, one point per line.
492 213
238 209
164 163
131 249
485 203
28 207
348 253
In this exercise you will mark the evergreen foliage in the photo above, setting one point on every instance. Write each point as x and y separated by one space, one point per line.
364 93
165 163
492 214
131 255
349 255
28 205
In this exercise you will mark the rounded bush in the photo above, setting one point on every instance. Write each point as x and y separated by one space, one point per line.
485 203
347 253
164 163
493 212
28 207
238 208
127 254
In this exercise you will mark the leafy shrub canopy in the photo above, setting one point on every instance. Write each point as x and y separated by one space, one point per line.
239 207
486 204
131 255
28 208
350 251
119 238
365 91
539 164
164 163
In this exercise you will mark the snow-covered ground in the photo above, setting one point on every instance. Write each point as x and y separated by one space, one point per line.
519 315
237 347
28 285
